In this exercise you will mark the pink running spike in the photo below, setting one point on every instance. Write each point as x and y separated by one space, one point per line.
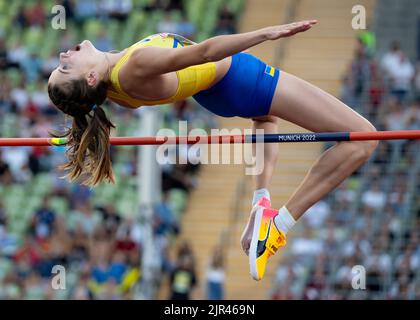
268 211
264 202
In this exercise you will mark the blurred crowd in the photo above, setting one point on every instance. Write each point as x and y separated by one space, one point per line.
99 244
372 220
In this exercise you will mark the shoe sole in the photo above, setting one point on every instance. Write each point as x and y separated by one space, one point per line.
254 241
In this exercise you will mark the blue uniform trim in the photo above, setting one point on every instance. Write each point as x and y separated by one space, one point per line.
246 90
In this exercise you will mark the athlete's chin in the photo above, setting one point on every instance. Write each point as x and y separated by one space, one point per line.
88 46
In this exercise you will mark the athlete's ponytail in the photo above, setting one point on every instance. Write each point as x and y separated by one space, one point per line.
88 139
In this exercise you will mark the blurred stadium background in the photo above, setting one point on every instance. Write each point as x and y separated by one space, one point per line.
373 219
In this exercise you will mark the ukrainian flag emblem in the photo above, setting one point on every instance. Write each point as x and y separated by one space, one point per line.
270 70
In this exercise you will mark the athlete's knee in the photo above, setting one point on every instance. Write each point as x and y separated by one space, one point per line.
361 151
368 146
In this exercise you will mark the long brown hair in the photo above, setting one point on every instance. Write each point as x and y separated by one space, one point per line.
88 139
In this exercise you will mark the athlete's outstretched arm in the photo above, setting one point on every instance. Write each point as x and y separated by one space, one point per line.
154 60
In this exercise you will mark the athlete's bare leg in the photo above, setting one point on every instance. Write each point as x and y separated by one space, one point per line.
271 150
299 102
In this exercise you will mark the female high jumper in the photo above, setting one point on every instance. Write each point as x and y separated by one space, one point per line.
164 68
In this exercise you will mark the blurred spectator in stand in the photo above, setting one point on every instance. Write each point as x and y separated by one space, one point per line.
133 272
117 9
394 118
343 212
399 71
167 25
186 28
27 256
84 10
60 242
215 276
69 8
397 197
99 275
5 100
101 245
84 217
185 249
346 90
17 159
43 221
374 197
35 14
48 65
17 54
402 289
382 156
376 93
117 267
155 5
110 218
32 66
11 287
360 74
355 244
183 278
282 291
412 116
4 62
34 288
286 277
175 5
316 215
20 20
6 177
79 194
177 178
41 100
129 236
390 58
19 95
374 280
8 241
368 39
103 41
401 78
307 245
166 222
226 23
45 264
109 291
417 81
81 290
3 215
80 245
344 275
314 289
379 259
344 193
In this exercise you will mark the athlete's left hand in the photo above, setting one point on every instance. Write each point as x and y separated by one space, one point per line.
287 30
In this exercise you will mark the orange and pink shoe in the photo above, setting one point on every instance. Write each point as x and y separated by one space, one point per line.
266 238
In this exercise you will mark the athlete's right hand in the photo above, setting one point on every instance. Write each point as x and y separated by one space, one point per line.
287 30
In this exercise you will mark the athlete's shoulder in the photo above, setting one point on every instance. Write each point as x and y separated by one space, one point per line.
175 40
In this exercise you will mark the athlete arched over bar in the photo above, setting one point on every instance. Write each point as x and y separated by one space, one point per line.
164 68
